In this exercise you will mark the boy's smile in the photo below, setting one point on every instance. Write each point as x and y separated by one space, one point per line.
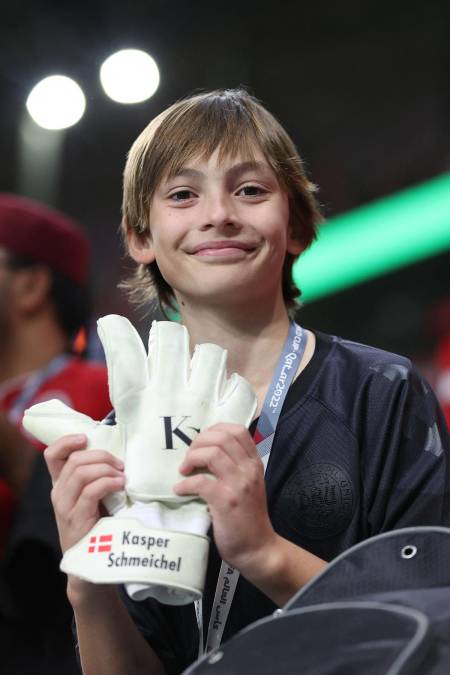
220 226
223 249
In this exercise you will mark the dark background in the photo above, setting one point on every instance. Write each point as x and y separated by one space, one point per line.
362 87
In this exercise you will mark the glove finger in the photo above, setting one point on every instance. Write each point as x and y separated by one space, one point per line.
50 420
169 356
208 371
238 403
125 357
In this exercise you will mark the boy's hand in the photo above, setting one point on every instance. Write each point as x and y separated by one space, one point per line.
224 468
80 481
162 399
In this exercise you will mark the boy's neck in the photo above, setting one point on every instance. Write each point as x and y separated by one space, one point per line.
253 338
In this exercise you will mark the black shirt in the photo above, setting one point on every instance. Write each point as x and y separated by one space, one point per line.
361 448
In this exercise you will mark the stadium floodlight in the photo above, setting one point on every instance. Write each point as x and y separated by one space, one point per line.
377 238
56 102
129 76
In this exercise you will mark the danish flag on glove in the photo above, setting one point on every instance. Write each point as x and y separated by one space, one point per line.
154 541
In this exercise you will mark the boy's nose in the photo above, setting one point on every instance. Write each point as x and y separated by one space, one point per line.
219 212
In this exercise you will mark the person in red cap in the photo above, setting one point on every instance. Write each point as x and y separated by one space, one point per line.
442 360
44 302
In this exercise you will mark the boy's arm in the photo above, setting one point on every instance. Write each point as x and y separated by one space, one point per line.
279 570
228 474
409 458
108 641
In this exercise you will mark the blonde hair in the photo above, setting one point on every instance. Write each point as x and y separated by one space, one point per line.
236 123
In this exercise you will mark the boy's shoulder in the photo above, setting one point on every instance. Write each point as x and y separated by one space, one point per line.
359 382
354 357
349 373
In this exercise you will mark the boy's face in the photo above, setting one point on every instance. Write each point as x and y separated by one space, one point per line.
219 231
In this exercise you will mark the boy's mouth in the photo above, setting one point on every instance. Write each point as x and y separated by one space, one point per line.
226 247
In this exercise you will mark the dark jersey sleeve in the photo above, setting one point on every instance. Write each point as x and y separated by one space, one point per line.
406 477
170 630
35 614
30 565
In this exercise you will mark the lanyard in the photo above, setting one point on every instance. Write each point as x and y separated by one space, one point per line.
284 373
33 384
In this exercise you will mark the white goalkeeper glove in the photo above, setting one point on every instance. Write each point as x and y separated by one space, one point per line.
156 542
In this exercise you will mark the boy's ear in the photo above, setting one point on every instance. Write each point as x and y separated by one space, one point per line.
294 246
140 247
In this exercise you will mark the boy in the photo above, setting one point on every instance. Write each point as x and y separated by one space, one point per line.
216 209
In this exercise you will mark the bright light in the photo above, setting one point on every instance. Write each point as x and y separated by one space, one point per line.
57 102
376 238
129 76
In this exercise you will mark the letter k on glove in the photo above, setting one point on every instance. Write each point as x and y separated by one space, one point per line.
156 541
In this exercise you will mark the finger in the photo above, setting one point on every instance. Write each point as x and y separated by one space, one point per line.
71 484
204 486
240 435
245 488
222 439
169 356
125 357
212 459
56 454
208 371
94 492
50 420
74 524
237 404
80 459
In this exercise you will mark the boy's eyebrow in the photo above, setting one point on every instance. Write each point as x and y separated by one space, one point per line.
250 165
186 171
234 171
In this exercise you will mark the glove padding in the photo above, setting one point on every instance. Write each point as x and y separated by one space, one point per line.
156 542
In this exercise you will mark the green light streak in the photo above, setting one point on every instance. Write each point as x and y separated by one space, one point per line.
377 238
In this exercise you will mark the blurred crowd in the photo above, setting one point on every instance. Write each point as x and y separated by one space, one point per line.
440 359
45 310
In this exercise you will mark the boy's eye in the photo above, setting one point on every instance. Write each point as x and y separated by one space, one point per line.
181 195
251 191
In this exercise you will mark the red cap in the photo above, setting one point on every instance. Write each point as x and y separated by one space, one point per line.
40 233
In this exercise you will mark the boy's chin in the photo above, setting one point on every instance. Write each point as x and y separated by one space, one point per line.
226 293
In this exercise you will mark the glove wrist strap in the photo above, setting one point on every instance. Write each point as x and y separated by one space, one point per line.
123 551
